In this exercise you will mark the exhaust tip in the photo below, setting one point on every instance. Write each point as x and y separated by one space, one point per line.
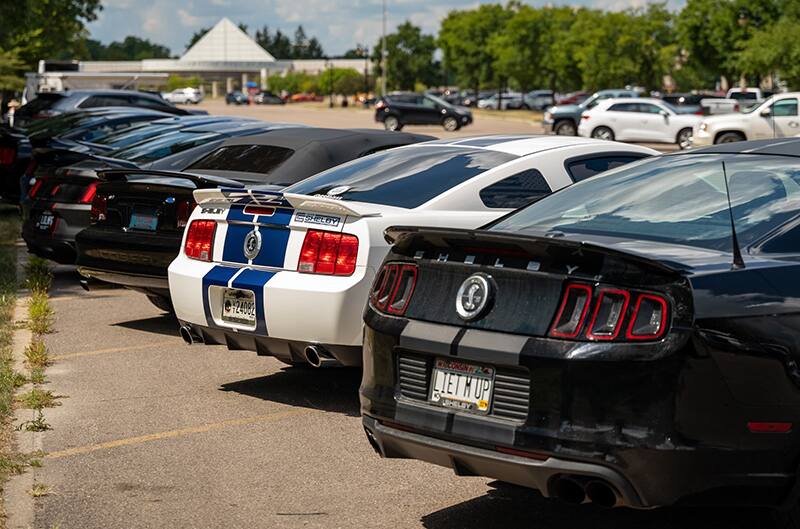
313 356
568 490
84 284
602 494
189 336
373 442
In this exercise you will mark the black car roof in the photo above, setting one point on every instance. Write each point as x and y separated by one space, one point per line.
776 147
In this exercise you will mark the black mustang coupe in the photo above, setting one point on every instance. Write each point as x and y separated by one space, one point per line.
632 340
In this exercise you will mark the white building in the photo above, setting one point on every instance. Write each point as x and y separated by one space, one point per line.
225 54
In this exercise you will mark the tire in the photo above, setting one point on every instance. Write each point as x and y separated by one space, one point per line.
565 128
603 133
729 137
684 139
450 124
161 302
391 123
524 106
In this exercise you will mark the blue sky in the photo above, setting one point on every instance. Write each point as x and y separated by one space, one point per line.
339 24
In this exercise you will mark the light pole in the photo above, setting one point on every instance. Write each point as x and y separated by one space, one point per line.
383 53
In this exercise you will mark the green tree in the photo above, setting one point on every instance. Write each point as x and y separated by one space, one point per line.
464 40
130 49
774 50
344 81
11 67
409 58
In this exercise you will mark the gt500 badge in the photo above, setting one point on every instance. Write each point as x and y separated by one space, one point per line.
313 218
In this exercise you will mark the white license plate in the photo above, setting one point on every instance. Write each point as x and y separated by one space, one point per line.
456 384
45 221
239 306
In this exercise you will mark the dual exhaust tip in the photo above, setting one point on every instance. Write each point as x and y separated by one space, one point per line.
315 355
576 491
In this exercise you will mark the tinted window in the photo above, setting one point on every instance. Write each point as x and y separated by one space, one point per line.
680 201
624 107
583 169
147 102
785 107
165 145
104 101
262 159
137 134
649 109
406 177
42 102
515 191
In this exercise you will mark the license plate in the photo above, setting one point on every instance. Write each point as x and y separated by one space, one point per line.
239 306
456 384
143 220
45 221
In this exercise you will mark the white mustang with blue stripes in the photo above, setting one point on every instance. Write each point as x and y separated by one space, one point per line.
288 274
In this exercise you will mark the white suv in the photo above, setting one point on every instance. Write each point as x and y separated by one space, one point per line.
777 117
639 120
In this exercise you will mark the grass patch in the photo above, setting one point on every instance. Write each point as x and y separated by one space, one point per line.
36 356
38 398
38 276
38 490
37 424
37 376
40 314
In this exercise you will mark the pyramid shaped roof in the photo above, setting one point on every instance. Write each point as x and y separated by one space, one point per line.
226 42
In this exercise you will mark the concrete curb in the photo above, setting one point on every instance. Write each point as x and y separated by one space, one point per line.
19 504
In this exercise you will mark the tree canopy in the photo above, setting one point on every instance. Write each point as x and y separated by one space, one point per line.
409 58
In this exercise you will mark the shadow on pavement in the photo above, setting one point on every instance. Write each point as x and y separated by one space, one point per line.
333 390
512 507
165 324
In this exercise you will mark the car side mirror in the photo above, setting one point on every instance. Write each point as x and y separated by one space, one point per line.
767 112
664 113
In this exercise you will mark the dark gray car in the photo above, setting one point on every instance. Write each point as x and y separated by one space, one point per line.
563 119
49 104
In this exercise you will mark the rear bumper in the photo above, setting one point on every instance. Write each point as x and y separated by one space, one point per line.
146 283
58 243
466 460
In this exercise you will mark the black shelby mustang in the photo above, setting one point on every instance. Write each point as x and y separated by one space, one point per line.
639 351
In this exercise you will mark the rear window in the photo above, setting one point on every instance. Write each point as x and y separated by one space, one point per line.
136 134
165 145
261 159
406 177
679 200
584 168
41 102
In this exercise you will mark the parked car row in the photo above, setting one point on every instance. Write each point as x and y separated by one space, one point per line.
579 316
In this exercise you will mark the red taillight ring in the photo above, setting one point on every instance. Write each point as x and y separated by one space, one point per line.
625 294
662 326
398 282
555 333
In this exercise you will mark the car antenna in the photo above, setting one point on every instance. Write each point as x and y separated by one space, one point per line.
738 262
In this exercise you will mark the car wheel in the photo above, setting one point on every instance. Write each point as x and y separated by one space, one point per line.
603 133
450 124
525 106
391 123
161 302
684 139
566 128
729 137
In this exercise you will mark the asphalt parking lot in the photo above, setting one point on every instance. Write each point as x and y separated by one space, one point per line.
155 433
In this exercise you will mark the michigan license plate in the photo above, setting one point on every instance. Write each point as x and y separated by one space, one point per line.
239 306
456 384
45 221
143 220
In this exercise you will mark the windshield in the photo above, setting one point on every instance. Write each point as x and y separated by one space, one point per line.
439 101
676 199
171 143
405 177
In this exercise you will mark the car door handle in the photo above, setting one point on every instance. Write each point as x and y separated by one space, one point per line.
794 124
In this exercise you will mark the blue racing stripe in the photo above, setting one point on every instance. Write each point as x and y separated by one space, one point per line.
255 280
219 276
274 237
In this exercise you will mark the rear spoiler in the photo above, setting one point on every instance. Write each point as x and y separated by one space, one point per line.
68 156
121 175
407 236
300 202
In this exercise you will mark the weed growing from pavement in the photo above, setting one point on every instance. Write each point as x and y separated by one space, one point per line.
37 398
38 276
37 424
40 314
37 376
36 356
38 490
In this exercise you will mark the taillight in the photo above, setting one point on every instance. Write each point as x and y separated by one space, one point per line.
572 312
54 191
200 239
327 252
585 117
392 290
99 209
183 211
89 193
649 318
380 104
34 188
610 310
7 155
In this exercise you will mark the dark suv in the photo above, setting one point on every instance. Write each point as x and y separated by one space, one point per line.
48 104
399 109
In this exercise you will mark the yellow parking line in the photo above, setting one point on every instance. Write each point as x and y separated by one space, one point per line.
113 350
79 450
